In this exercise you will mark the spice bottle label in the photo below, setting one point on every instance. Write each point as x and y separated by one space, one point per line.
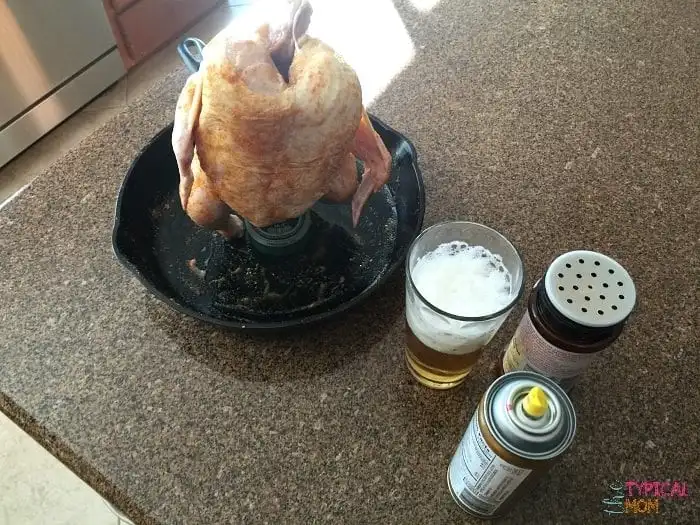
528 350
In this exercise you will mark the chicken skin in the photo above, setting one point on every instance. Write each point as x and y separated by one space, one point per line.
271 123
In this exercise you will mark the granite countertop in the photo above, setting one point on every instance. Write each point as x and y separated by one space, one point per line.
562 125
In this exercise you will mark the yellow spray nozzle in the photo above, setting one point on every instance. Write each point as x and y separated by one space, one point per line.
535 403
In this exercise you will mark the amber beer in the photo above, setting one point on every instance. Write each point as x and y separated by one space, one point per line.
457 296
439 368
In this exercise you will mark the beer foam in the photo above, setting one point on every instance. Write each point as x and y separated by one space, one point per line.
463 280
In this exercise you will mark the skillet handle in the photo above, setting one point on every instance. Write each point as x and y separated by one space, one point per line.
191 60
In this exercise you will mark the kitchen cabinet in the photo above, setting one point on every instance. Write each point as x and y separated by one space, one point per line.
55 57
143 26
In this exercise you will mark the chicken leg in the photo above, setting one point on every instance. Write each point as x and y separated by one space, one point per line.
369 148
198 198
344 185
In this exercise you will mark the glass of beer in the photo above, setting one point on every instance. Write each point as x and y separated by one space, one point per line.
462 281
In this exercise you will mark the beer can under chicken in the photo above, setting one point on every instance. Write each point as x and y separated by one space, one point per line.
524 422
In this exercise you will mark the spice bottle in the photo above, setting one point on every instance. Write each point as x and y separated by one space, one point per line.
574 312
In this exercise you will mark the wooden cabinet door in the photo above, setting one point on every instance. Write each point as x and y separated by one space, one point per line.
143 26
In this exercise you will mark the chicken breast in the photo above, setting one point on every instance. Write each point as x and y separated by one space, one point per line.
270 124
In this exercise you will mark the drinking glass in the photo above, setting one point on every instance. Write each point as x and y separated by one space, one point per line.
443 346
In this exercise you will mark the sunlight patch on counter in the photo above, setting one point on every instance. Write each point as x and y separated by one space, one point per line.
355 30
424 6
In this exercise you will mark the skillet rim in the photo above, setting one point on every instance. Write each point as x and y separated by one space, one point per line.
273 326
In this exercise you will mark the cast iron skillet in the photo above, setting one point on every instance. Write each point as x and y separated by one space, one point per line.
234 284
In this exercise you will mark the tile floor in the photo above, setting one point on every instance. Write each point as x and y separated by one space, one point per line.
36 488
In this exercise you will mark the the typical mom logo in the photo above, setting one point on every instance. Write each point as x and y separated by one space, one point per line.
642 497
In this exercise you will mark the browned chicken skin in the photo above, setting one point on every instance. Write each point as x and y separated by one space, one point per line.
271 124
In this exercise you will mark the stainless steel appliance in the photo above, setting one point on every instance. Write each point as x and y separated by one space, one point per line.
55 56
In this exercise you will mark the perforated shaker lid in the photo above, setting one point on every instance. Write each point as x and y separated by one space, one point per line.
590 288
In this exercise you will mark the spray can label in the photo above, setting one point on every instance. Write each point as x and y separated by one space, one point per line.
478 477
528 350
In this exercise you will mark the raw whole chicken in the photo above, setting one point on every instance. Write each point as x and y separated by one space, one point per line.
270 124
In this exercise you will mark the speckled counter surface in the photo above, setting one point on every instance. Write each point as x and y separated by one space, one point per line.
562 125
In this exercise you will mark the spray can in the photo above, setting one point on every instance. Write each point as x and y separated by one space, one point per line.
522 425
577 310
